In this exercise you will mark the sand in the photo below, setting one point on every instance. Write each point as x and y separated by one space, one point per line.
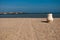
29 29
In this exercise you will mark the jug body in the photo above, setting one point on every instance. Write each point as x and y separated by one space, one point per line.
50 17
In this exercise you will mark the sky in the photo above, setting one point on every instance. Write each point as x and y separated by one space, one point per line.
30 6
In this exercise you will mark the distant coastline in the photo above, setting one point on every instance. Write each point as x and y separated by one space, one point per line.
27 15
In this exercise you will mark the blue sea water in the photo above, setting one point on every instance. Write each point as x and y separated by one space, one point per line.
29 15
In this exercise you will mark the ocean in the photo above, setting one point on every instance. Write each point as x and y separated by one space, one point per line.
29 15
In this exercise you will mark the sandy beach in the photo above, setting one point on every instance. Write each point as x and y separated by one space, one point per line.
29 29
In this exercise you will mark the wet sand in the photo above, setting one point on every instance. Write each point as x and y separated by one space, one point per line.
29 29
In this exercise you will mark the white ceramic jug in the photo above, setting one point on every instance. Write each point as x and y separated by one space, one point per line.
50 17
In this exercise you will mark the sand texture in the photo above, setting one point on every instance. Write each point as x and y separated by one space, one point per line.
29 29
